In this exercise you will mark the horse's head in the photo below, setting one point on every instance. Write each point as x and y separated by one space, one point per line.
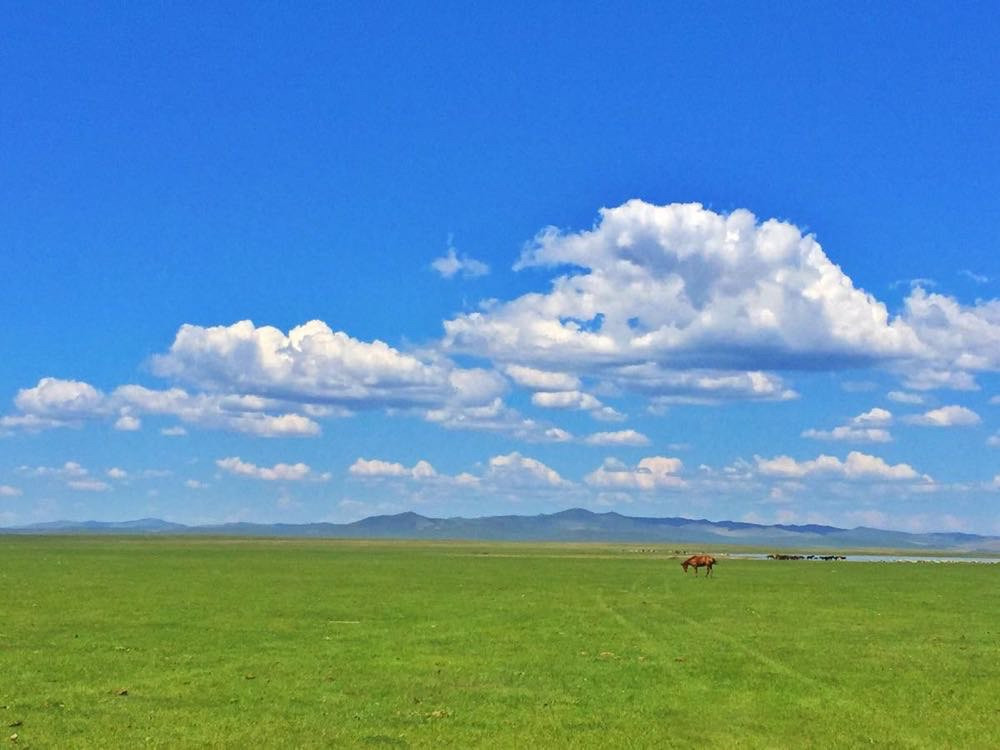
684 564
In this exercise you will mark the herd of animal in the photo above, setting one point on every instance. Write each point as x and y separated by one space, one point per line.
707 561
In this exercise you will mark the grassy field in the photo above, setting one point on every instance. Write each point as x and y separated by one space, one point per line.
122 642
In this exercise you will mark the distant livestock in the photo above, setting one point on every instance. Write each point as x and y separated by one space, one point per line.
778 556
699 561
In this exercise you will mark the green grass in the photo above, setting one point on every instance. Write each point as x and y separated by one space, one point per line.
253 643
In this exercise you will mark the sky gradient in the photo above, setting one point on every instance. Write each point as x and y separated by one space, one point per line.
308 265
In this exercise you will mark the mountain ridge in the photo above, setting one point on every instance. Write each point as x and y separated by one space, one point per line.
570 525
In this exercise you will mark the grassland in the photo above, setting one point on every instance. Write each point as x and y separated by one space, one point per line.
126 642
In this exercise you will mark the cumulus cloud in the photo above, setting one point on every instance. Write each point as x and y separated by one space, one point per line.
902 397
946 416
558 435
237 413
62 403
279 472
175 431
495 416
421 472
683 285
69 470
876 416
651 473
515 470
61 399
314 364
88 485
857 466
117 473
850 434
542 380
699 386
927 378
377 468
128 423
864 428
679 288
620 437
7 490
966 335
13 423
576 400
453 263
960 339
994 440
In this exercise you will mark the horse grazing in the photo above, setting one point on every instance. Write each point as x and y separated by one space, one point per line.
699 561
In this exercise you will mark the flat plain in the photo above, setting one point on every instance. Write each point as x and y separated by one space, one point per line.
181 642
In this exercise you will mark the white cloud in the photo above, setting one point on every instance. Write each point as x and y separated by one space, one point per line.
994 440
117 473
700 386
88 485
259 381
946 416
857 466
375 468
278 472
874 416
7 490
680 288
69 470
902 397
995 400
651 473
194 484
577 400
680 284
128 423
60 399
29 423
452 263
314 364
621 437
175 431
976 277
928 378
515 470
849 434
558 435
864 428
493 417
66 403
962 339
245 414
542 380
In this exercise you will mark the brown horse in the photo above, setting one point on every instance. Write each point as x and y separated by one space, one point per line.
699 561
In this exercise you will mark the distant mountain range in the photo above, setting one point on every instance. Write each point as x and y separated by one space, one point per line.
575 525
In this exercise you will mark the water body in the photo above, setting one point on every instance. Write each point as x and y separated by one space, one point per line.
880 558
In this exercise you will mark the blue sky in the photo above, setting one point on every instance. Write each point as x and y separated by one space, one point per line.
305 265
